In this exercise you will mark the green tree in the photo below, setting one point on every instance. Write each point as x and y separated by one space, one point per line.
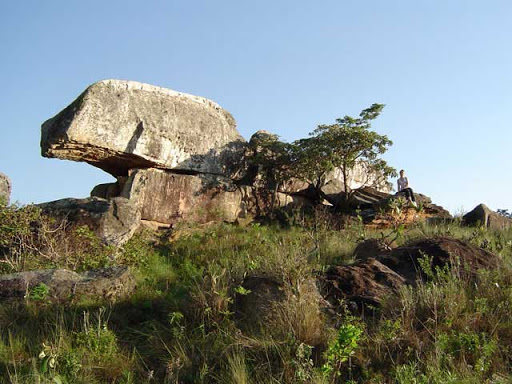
343 145
273 161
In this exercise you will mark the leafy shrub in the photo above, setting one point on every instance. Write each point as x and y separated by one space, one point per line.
341 348
31 240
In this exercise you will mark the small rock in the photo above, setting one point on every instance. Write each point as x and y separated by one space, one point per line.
114 221
63 285
482 215
5 188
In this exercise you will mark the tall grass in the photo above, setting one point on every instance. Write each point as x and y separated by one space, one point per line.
180 326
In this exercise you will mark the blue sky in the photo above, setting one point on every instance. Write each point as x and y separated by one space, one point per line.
443 69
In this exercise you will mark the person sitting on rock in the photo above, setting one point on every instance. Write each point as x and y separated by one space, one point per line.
403 188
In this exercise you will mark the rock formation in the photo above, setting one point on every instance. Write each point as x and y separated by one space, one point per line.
167 197
63 285
5 188
482 215
369 281
176 157
120 125
114 220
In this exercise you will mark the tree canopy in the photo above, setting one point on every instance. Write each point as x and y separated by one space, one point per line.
343 146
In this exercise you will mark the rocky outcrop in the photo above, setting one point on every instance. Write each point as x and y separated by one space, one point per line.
5 188
382 272
114 220
62 285
484 216
120 125
176 157
167 197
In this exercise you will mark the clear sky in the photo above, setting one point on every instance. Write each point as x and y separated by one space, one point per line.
443 69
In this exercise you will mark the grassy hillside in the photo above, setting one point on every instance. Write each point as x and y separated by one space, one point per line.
183 323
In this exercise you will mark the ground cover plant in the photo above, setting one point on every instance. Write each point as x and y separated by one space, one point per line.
182 324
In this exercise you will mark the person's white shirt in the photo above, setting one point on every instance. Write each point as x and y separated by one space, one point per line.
403 183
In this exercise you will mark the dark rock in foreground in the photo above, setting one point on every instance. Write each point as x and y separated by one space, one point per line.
365 284
64 285
264 293
370 281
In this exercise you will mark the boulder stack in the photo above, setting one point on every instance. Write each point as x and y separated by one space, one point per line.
174 157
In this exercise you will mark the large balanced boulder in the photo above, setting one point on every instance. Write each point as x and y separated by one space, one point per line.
114 221
119 125
5 188
484 216
62 285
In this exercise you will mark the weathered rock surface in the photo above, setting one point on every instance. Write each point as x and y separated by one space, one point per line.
119 125
5 188
167 197
64 285
114 220
484 216
370 248
382 272
365 284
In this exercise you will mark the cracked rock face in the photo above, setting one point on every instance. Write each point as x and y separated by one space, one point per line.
120 125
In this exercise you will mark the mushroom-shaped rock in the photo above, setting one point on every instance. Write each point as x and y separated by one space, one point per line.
119 125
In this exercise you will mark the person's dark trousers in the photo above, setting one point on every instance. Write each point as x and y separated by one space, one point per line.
409 194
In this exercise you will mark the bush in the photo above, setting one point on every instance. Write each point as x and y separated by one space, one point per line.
30 240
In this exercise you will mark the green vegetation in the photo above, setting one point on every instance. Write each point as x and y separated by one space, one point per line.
182 326
347 143
342 146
